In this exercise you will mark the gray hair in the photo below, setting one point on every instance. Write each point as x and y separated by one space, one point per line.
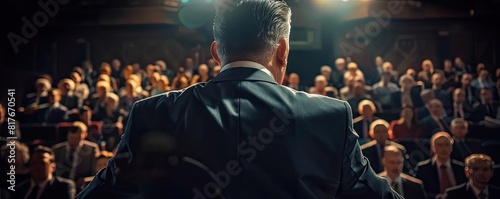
252 29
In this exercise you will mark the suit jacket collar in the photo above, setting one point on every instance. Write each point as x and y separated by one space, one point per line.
243 74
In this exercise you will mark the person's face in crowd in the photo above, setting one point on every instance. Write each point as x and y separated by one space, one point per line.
129 88
101 91
442 147
211 63
161 64
486 95
407 84
76 77
480 173
459 130
41 88
411 72
74 139
294 79
340 66
320 83
436 108
150 70
466 79
116 64
189 63
447 65
387 67
480 67
136 66
426 67
393 163
483 74
437 80
459 96
101 163
497 73
359 89
87 65
380 133
127 71
379 61
54 97
203 70
458 62
327 73
41 166
368 111
407 114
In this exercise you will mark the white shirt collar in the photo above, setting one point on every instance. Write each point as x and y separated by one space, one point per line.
477 190
247 64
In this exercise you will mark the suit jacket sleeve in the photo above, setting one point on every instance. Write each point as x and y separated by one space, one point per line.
111 182
358 179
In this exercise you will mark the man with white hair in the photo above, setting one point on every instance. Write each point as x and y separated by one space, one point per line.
427 71
353 71
327 72
321 87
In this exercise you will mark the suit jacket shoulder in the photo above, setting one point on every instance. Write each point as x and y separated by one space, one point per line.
368 144
59 146
411 179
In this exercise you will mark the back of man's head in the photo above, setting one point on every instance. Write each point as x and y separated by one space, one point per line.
250 29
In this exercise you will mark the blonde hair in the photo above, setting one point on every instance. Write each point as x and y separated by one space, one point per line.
366 103
379 122
472 159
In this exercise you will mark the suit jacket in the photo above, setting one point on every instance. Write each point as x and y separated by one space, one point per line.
465 191
396 98
426 77
431 126
471 146
442 96
370 151
427 171
413 188
250 139
57 188
422 113
358 127
70 101
56 115
86 165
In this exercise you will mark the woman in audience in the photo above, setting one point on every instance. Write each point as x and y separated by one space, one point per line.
112 126
406 126
106 69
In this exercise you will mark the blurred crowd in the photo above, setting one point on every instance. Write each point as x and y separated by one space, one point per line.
441 105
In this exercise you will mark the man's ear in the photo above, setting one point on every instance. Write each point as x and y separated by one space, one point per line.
215 55
282 52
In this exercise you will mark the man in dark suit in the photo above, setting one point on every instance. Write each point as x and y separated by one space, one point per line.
374 150
440 172
437 121
241 134
409 187
479 170
409 95
54 111
76 158
367 110
43 184
462 147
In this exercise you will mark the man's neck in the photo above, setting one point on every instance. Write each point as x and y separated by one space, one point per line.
442 160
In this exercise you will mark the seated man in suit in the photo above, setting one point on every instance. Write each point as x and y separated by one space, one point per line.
440 172
437 121
408 95
483 80
383 90
479 170
374 150
54 111
367 110
76 157
462 147
244 125
43 184
409 187
439 92
428 70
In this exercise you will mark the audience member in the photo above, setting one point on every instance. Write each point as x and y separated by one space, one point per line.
54 111
462 147
361 124
407 186
406 126
440 172
374 150
479 171
436 121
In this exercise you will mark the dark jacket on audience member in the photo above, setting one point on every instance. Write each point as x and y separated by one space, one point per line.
431 126
57 188
427 171
56 115
460 153
413 188
465 191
